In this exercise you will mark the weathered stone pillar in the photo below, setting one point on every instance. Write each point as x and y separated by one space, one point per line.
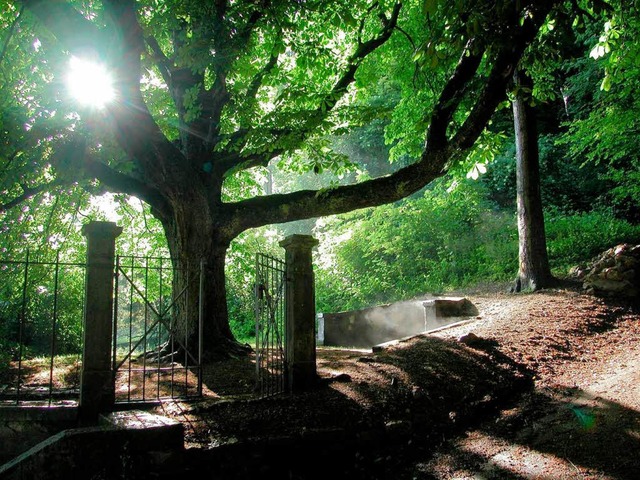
300 347
97 389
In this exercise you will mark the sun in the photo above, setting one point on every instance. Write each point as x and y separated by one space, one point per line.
89 83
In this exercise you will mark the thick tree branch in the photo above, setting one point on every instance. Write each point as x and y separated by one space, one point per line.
252 160
158 160
118 182
281 208
258 79
452 95
162 61
240 41
355 60
437 155
75 163
213 103
228 46
200 135
363 20
27 193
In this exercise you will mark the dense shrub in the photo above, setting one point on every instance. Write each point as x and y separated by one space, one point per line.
48 304
575 238
443 240
446 238
240 278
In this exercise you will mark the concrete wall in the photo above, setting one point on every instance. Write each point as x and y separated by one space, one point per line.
372 326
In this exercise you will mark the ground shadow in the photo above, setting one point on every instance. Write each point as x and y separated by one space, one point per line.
366 417
592 433
383 416
581 434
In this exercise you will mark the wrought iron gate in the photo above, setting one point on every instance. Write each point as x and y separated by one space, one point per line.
41 308
271 367
155 355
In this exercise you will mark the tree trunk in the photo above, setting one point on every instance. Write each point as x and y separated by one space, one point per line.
534 272
198 255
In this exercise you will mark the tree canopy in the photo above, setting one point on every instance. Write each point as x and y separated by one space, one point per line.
208 93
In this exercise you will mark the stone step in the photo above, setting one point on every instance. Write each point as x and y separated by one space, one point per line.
150 431
442 307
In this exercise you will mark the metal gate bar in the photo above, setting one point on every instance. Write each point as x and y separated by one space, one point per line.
270 325
41 323
145 355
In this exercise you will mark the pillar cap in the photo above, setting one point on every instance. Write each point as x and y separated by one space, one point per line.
298 240
103 229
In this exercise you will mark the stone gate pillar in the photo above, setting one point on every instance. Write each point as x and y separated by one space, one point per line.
300 347
97 389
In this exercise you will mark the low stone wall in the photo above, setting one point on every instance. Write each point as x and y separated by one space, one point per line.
372 326
22 427
125 444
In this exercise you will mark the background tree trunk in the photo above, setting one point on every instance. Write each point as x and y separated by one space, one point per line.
534 272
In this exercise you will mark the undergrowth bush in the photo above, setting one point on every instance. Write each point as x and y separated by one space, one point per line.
576 238
444 240
240 278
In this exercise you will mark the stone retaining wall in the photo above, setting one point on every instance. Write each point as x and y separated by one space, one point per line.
372 326
125 445
23 427
613 273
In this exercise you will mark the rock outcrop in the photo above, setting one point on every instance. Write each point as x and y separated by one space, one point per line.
614 273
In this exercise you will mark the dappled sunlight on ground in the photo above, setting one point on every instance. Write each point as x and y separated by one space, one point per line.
582 421
569 439
37 379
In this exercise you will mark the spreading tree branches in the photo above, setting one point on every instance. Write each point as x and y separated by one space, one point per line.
206 91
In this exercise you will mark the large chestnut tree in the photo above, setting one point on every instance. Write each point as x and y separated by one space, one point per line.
207 92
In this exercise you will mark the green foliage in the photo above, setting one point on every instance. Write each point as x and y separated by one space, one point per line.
48 229
277 91
43 313
7 352
567 184
444 240
241 274
605 123
576 238
447 238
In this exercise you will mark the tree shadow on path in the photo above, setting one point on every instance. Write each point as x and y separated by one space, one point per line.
554 433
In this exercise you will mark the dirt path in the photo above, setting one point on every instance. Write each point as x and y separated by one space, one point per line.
582 421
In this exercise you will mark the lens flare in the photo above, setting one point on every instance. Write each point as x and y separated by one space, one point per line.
90 83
